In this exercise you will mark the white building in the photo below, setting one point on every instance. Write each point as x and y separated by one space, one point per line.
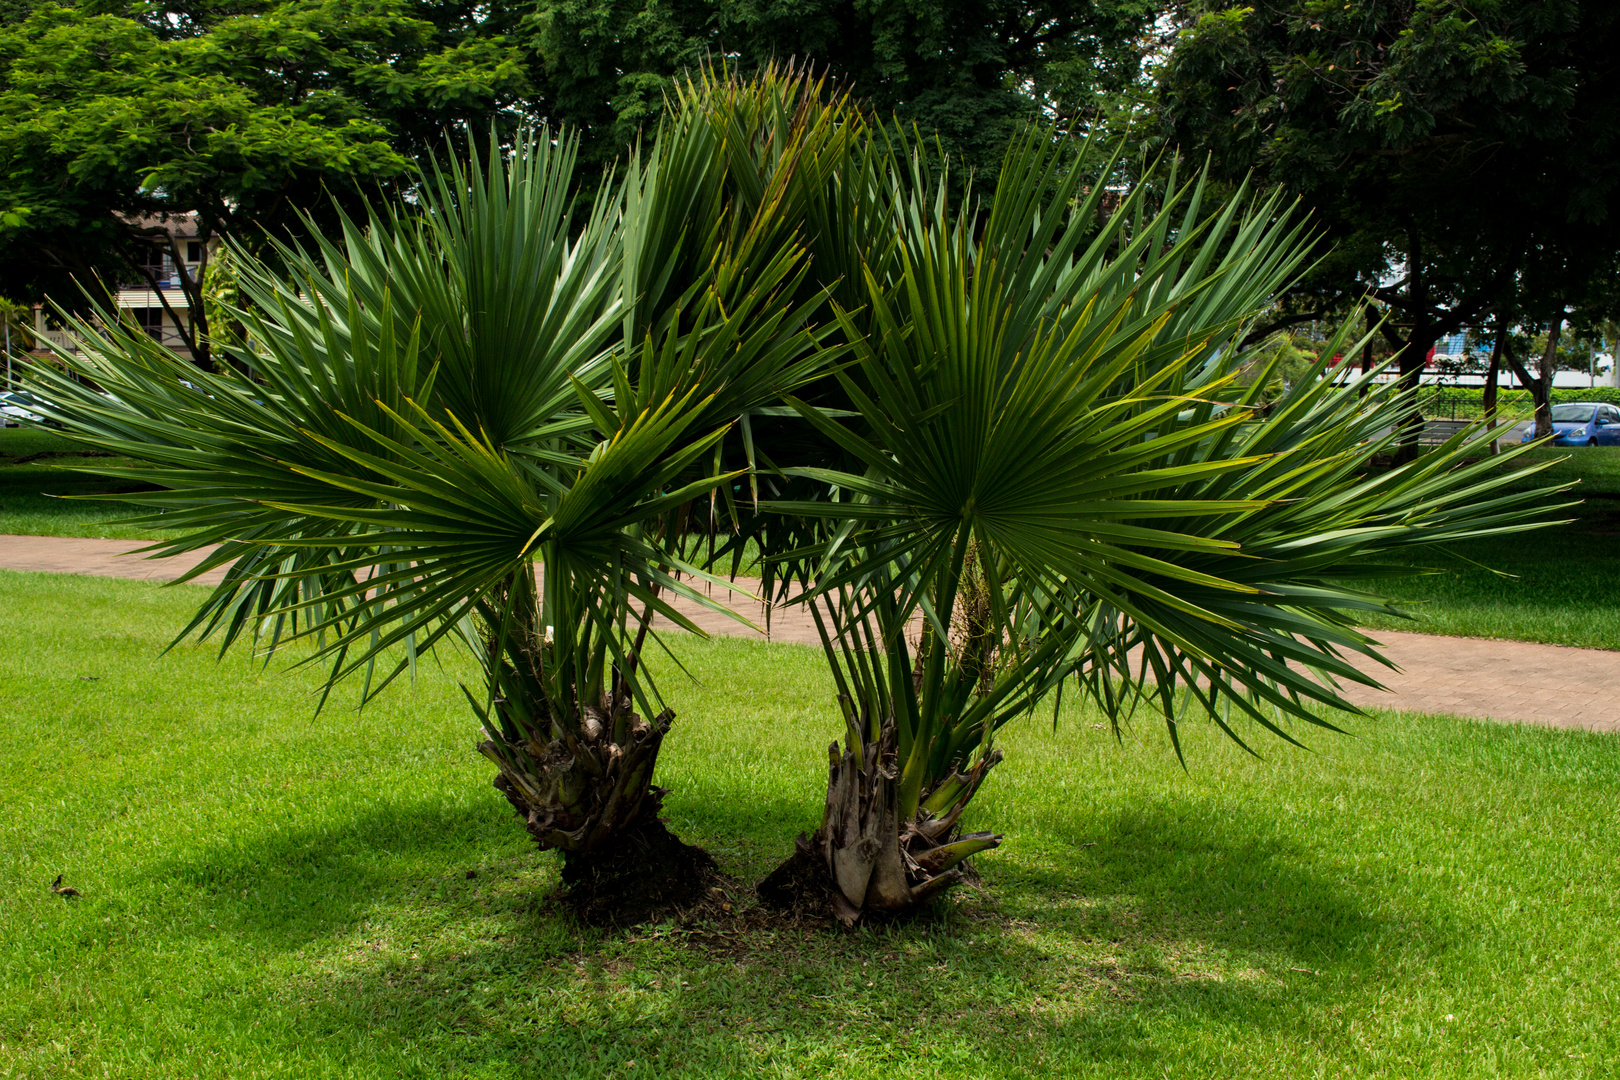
140 303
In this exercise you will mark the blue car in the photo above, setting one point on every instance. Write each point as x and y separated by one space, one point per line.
1580 423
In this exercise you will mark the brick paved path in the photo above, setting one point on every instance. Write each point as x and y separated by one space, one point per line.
1496 680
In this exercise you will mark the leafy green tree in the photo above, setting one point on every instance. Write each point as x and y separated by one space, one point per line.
1460 158
970 73
109 130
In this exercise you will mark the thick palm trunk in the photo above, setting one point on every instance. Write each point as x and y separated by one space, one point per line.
589 794
579 789
865 858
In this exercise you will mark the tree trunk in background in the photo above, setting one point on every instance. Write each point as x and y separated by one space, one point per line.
1367 353
1549 364
1488 400
1413 360
1540 387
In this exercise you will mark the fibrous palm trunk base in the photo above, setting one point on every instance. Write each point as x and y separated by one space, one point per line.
590 795
864 860
580 788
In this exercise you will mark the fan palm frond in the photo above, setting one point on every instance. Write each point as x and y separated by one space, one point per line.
1057 473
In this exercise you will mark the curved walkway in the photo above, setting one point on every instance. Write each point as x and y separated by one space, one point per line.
1495 680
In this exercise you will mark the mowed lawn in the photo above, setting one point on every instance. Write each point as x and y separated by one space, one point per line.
267 893
39 468
1559 585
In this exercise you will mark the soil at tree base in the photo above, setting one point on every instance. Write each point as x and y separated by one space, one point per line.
646 874
801 884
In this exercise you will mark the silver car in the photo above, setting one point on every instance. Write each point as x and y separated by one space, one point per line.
17 407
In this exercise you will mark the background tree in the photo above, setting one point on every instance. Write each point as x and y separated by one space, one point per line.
243 116
970 72
1460 158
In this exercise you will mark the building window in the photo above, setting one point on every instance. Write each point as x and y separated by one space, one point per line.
194 251
149 319
155 261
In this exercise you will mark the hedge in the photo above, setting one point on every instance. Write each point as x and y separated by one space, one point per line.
1465 401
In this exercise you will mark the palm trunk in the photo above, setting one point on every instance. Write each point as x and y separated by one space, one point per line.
577 790
864 859
582 784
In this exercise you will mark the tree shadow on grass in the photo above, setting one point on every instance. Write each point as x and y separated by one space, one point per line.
1189 868
286 888
1072 953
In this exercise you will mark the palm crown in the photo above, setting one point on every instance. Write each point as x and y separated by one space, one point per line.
1057 471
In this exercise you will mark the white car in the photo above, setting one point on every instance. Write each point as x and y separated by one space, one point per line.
18 407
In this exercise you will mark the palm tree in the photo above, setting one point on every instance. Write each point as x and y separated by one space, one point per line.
474 421
1059 478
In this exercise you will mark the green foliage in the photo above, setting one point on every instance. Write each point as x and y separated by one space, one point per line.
971 74
222 296
1463 402
1459 157
249 113
1284 363
108 126
18 321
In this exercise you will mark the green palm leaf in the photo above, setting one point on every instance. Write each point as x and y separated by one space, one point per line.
1055 472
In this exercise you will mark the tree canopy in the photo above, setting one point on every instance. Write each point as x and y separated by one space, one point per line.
967 71
242 112
1460 161
1459 158
112 123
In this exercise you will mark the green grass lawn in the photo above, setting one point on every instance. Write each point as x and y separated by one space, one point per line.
1559 585
269 894
37 469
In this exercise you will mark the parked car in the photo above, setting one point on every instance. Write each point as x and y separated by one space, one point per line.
18 408
1580 423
